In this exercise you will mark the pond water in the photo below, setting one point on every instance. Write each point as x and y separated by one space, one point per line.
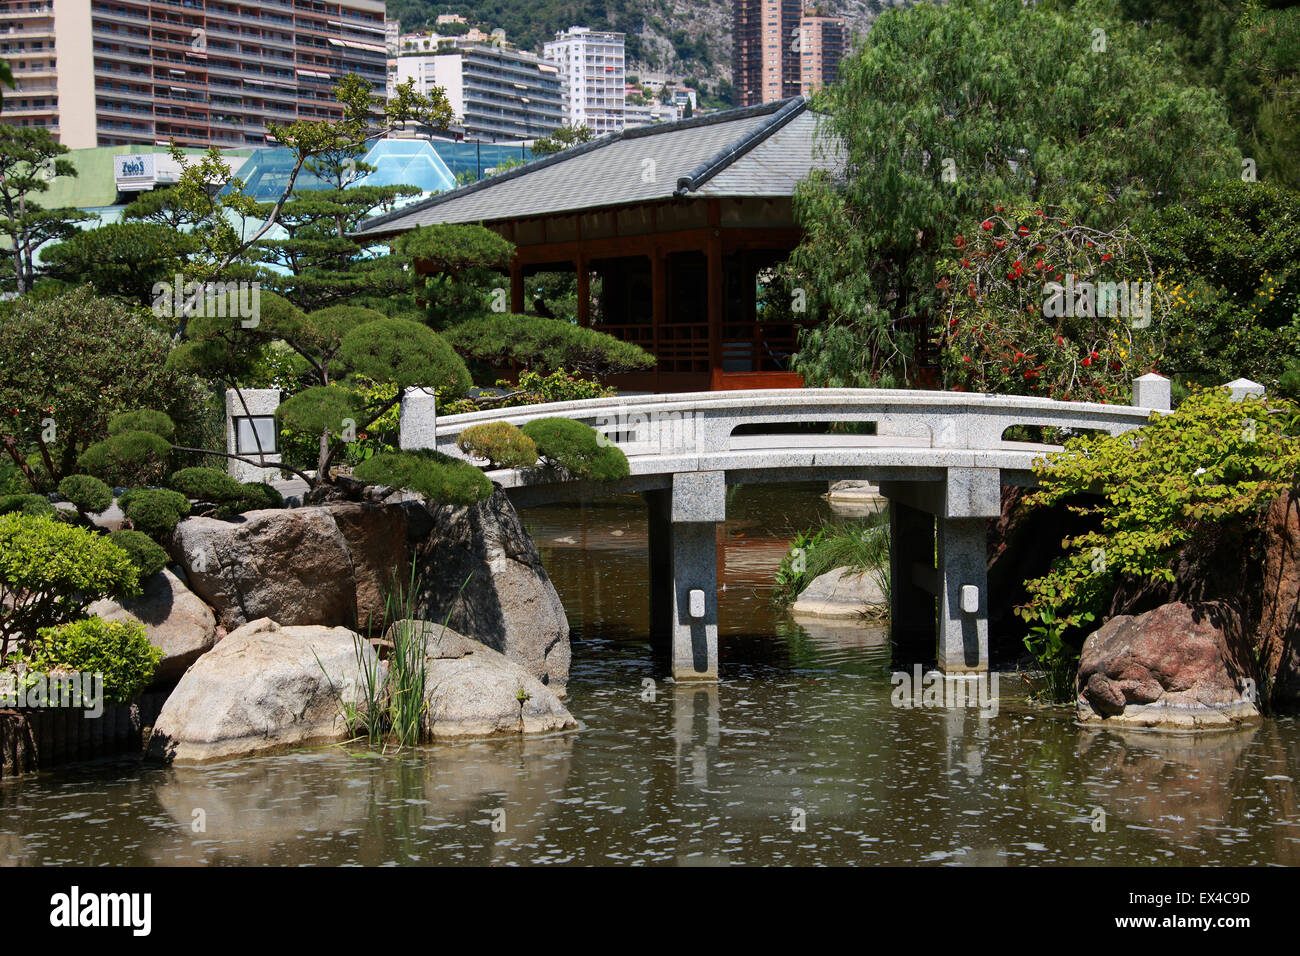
798 756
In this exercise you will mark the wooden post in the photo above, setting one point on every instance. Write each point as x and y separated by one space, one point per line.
716 288
516 286
658 308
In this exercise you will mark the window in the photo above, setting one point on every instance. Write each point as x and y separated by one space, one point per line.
249 431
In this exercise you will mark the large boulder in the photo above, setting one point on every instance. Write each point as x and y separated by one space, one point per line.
329 565
473 691
1176 667
264 687
175 619
481 573
841 593
1279 626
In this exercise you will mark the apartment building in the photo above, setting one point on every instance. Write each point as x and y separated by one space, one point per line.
822 43
200 72
594 73
496 93
778 51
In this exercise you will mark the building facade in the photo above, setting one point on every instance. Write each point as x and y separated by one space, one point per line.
496 94
202 73
593 71
822 43
778 51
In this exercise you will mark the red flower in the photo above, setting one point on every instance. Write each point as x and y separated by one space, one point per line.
965 263
1039 264
986 225
960 242
966 359
1060 341
1086 361
999 243
1105 257
998 208
1092 354
1023 230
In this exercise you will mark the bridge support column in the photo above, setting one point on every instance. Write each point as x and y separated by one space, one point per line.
963 596
660 528
938 550
911 556
699 503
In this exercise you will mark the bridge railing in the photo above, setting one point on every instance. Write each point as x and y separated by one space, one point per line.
701 423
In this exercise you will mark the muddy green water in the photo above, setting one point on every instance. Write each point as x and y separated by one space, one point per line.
796 757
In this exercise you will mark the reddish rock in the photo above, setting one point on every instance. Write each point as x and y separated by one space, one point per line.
1176 667
376 541
1279 626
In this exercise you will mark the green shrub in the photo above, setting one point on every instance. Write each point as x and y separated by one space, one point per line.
128 458
545 345
438 477
155 511
253 496
576 448
142 420
119 650
26 504
88 494
502 444
533 388
50 571
147 556
205 484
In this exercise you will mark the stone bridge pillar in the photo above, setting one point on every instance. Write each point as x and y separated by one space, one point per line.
684 571
939 565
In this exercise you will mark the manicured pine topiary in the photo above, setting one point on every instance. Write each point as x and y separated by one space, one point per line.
26 504
577 449
147 556
205 484
142 420
128 458
502 444
87 493
436 476
155 511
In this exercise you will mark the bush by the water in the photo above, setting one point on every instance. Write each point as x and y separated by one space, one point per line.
577 448
144 553
155 511
120 650
437 476
128 458
50 571
87 493
502 444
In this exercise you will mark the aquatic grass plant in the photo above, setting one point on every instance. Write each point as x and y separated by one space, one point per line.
390 708
862 545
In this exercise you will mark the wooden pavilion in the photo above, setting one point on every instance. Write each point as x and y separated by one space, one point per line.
682 223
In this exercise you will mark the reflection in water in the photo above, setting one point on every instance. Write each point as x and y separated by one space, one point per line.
800 728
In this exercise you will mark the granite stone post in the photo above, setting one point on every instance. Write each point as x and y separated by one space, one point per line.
963 595
699 503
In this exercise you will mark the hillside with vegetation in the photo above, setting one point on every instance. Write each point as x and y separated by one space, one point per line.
686 38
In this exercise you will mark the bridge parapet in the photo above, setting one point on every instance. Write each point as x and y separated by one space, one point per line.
703 423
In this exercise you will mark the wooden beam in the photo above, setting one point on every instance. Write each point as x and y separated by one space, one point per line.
658 301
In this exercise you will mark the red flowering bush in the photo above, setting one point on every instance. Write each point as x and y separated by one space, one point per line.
1037 305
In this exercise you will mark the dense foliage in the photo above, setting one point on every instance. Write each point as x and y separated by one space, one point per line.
501 444
50 571
545 345
119 650
947 110
1156 489
576 449
438 477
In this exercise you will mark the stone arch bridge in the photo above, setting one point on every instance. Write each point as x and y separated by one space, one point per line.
941 458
